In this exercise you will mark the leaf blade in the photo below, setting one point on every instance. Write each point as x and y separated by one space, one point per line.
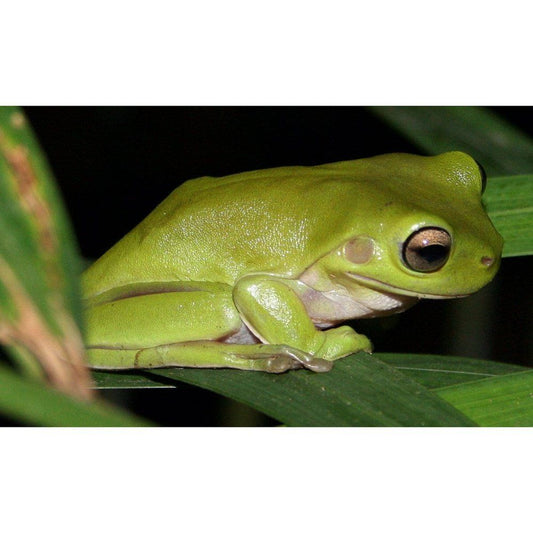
437 371
361 390
40 308
509 203
498 401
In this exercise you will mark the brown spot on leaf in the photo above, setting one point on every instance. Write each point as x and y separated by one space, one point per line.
26 184
17 120
60 357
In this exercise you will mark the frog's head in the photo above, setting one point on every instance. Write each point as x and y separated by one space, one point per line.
431 237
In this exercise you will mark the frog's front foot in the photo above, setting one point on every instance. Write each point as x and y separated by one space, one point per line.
343 341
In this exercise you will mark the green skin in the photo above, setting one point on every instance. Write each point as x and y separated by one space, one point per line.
245 271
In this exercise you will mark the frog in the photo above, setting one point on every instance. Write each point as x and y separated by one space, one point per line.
261 270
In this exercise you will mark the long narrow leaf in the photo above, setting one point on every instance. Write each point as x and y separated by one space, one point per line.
361 390
498 401
431 371
39 267
444 374
437 371
510 206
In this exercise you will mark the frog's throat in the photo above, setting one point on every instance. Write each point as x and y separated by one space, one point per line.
382 286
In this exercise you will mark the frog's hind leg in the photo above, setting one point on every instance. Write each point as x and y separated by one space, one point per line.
181 325
122 322
209 354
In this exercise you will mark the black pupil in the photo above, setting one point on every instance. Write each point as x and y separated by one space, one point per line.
433 253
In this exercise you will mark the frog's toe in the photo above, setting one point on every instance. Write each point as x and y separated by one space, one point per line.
319 365
280 364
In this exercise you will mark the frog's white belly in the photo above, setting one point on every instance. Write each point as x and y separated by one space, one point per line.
339 303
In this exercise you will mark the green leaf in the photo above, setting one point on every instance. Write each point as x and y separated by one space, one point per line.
436 371
361 390
431 371
498 401
509 203
268 393
36 235
35 404
40 307
500 147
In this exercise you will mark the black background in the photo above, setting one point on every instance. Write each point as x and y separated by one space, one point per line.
113 165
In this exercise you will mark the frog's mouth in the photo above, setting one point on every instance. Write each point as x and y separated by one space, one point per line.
386 287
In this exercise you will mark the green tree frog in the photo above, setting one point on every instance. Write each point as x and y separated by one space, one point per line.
256 270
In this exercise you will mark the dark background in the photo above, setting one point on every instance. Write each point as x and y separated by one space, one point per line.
113 165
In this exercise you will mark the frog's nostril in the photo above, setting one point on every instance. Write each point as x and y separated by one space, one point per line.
487 261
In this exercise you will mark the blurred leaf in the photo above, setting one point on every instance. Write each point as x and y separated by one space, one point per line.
36 404
40 308
509 203
18 137
361 390
498 401
501 148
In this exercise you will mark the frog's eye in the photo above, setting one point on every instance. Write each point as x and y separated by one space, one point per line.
427 249
483 176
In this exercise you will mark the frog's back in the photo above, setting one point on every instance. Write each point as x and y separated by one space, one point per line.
277 220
